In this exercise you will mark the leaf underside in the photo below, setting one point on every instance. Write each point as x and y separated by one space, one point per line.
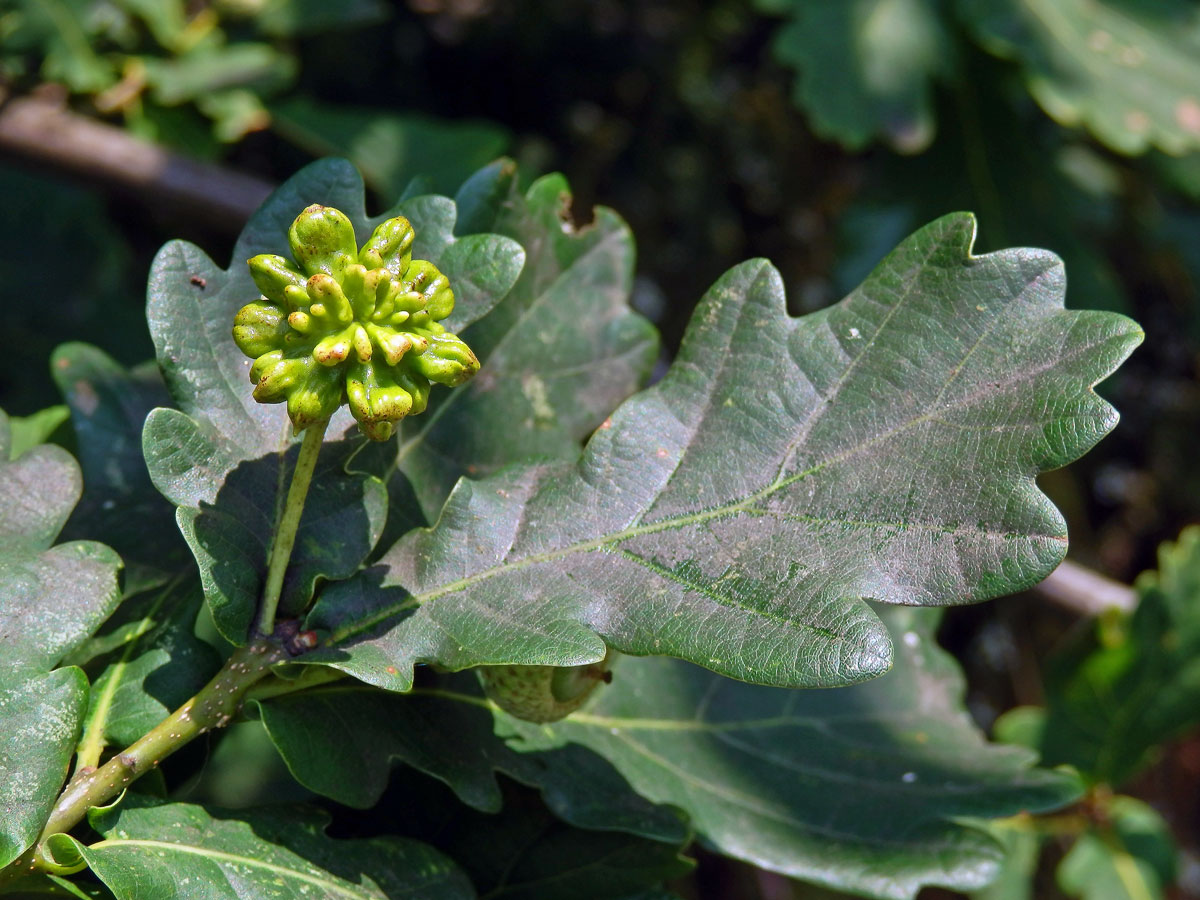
738 513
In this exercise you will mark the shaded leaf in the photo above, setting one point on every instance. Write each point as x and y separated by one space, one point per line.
865 67
559 352
1130 684
737 513
55 886
287 18
863 788
231 535
220 457
524 853
244 771
40 216
340 740
109 405
1132 858
1027 191
145 662
389 148
214 67
1128 71
178 849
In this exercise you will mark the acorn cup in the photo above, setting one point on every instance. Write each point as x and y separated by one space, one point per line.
544 693
339 324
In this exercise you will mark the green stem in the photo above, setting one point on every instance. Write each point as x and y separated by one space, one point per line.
315 676
213 707
285 534
92 742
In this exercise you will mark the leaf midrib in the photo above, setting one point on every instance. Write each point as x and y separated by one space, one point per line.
746 505
743 801
94 731
221 856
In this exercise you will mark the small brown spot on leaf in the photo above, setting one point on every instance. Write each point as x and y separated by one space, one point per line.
199 282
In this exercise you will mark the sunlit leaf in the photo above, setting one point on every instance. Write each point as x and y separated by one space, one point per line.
738 513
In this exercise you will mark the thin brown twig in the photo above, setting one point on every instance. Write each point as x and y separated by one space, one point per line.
1085 591
41 130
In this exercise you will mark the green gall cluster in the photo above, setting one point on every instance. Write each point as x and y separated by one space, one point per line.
344 325
543 693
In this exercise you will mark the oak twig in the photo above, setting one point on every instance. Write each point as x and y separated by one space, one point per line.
43 131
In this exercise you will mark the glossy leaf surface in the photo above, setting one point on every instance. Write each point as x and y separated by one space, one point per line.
738 513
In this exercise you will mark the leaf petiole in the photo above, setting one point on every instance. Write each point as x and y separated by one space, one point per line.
213 707
289 523
315 676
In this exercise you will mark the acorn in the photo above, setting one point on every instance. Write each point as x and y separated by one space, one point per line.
544 693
